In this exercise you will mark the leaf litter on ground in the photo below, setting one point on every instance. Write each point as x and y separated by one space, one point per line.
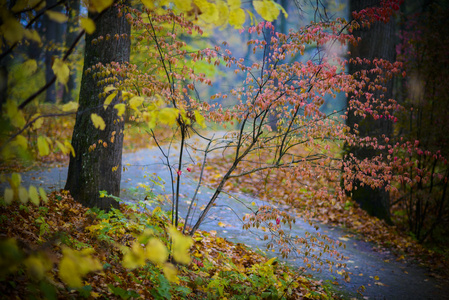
219 268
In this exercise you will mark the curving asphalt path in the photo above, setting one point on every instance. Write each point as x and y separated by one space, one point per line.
396 280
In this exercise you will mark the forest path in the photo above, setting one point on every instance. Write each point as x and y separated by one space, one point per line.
396 280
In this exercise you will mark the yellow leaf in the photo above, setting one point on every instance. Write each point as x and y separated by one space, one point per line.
34 196
75 264
281 9
170 273
267 9
32 35
42 146
271 261
21 141
62 147
30 66
200 119
70 147
183 5
181 246
168 116
88 25
376 278
37 266
109 88
70 106
135 102
223 12
100 5
15 181
234 4
148 3
9 195
38 123
61 70
209 11
14 114
120 109
135 257
43 195
156 251
221 224
56 16
109 100
98 121
20 5
23 195
12 30
237 18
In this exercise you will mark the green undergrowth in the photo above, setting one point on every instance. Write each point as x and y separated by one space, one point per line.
61 250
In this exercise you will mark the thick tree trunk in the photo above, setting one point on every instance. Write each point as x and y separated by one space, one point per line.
70 36
378 41
99 169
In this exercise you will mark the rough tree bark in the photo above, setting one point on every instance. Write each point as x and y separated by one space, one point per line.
378 41
99 169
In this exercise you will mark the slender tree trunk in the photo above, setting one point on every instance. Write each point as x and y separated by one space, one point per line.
70 36
378 41
53 40
99 169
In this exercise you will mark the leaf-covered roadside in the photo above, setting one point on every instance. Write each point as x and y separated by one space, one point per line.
43 248
282 188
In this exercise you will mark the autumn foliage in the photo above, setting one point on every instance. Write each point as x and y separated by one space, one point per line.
162 87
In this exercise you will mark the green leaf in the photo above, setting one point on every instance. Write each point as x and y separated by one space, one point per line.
98 121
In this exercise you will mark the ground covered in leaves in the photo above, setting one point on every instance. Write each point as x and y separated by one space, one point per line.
277 187
35 242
